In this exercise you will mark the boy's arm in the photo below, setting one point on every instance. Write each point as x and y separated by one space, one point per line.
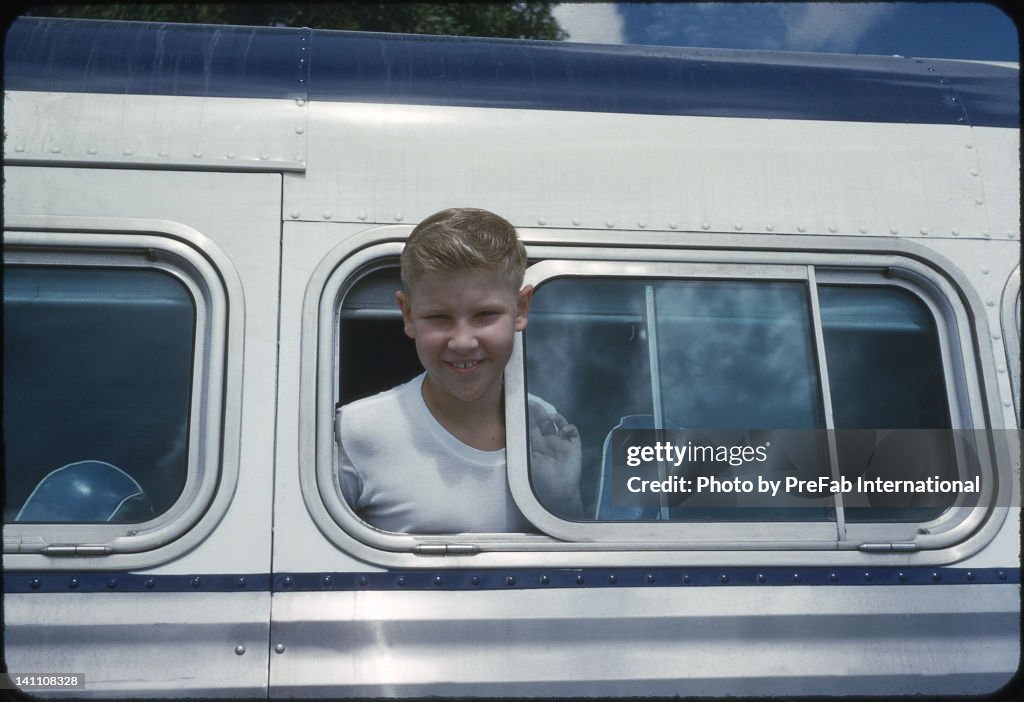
555 461
347 476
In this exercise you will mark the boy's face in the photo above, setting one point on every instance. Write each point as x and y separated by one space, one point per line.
464 323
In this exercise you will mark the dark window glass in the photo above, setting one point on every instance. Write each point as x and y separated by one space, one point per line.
885 374
725 362
97 373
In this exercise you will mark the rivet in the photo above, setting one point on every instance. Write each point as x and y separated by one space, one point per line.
990 303
1001 575
833 576
127 152
197 154
924 231
55 149
438 580
673 225
400 582
650 578
1001 368
19 149
73 583
986 235
294 214
34 583
796 577
970 576
327 215
894 230
399 216
541 221
974 171
475 580
955 232
91 150
300 102
163 153
724 578
862 229
801 228
230 154
867 577
984 270
279 648
196 582
761 578
996 336
833 228
239 650
612 579
954 99
979 200
936 577
362 215
544 580
240 582
770 227
150 583
575 222
738 227
510 581
112 583
299 130
580 580
288 581
1006 402
969 146
609 224
1012 235
705 225
326 580
264 157
686 579
902 576
364 581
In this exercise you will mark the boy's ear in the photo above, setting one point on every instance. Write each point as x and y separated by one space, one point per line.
405 305
523 307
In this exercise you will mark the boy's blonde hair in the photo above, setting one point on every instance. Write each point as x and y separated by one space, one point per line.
464 238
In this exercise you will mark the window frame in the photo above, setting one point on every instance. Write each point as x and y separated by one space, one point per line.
213 423
340 268
1010 313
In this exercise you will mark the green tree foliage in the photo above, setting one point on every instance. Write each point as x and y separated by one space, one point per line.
526 20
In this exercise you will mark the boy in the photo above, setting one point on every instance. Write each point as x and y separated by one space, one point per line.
429 456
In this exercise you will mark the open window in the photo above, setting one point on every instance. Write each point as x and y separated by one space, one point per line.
838 367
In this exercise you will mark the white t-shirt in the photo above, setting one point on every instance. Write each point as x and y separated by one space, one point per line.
400 470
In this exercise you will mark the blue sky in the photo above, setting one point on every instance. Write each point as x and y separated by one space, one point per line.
972 30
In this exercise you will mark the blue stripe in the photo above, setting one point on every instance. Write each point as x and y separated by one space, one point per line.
205 60
523 579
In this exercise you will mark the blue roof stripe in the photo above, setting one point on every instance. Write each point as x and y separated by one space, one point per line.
206 60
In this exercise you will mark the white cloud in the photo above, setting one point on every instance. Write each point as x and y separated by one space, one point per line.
831 26
597 23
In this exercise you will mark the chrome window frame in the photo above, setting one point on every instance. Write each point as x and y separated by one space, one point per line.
212 451
963 395
1009 319
364 251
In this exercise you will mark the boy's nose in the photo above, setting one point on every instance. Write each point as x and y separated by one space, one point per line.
463 339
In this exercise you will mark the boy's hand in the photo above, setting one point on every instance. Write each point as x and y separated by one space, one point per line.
556 457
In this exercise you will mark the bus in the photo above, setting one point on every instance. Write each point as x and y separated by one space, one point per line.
814 258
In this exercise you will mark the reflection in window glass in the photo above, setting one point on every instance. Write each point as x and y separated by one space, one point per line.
97 370
725 361
885 373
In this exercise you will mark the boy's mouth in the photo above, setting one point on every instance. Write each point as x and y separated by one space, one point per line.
464 365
